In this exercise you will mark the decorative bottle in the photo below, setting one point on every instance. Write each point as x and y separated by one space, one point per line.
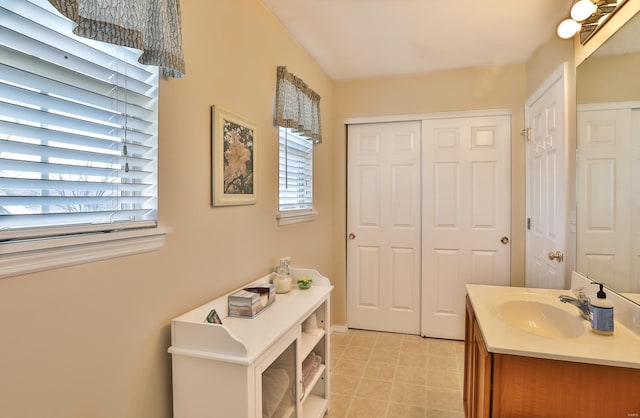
282 279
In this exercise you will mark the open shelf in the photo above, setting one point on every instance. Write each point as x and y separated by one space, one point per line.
308 341
314 406
312 385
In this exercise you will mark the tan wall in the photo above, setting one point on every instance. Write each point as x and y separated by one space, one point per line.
468 89
607 79
546 59
91 340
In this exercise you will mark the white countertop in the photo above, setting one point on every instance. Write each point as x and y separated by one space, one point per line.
635 297
621 349
243 340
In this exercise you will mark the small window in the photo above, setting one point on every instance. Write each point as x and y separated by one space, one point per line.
78 129
295 177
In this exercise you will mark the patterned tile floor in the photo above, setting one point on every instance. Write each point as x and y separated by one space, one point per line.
386 375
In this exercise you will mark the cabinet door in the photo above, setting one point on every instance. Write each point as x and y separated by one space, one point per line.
483 363
541 388
469 366
477 369
276 381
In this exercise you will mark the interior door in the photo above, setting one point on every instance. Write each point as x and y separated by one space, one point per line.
466 215
545 194
383 224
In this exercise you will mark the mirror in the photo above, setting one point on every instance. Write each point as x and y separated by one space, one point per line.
608 163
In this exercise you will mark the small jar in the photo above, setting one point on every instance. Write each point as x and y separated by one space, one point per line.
282 283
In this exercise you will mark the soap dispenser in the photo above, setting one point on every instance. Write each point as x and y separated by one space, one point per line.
282 279
601 313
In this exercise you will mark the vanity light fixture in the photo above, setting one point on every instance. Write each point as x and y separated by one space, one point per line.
586 15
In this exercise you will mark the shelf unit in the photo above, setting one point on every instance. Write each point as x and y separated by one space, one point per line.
218 370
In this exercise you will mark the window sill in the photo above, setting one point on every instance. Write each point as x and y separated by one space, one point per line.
37 255
294 217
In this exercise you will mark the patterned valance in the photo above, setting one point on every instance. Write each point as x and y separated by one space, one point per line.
297 106
152 26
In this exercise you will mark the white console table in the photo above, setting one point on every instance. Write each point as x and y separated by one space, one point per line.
253 367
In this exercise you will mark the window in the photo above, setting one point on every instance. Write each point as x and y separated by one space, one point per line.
295 177
297 115
78 131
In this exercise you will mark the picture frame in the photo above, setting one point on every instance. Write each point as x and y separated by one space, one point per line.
233 159
213 317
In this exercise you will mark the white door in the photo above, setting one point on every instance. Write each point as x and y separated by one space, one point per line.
383 224
604 192
545 194
466 215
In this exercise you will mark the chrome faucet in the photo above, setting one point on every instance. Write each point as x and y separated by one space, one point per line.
581 301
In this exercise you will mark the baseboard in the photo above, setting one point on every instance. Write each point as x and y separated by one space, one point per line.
339 328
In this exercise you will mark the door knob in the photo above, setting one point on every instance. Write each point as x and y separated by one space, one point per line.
352 236
558 256
504 240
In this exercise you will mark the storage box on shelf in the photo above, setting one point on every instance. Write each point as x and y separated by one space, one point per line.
275 364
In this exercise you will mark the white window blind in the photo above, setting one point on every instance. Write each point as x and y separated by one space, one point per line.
296 172
78 129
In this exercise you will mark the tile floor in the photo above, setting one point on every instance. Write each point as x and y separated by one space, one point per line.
386 375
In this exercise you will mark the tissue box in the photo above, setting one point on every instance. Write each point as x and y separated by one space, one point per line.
250 301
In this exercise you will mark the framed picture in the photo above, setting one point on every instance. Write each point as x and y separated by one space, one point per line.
213 317
233 159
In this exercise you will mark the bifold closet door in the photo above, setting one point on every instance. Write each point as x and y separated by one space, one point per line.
466 215
383 227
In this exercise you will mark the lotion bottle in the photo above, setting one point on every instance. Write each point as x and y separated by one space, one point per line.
601 313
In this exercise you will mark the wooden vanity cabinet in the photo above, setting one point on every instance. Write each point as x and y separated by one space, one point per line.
511 386
478 366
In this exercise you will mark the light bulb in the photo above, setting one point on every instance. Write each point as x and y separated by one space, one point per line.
582 10
602 18
567 28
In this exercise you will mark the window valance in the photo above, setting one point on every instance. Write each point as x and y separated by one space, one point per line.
152 26
297 106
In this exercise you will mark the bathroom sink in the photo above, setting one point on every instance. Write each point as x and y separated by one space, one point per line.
541 318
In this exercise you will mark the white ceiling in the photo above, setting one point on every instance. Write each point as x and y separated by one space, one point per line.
369 38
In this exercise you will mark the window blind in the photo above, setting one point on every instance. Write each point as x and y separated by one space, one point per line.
296 171
78 129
